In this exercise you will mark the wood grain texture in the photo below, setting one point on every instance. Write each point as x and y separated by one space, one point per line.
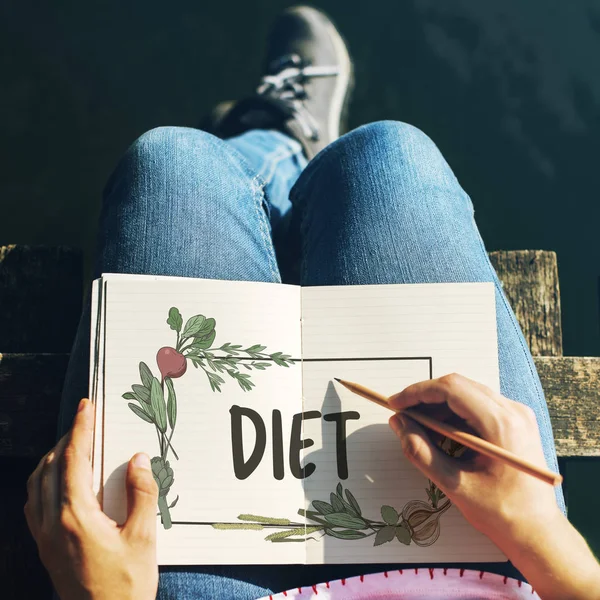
41 291
30 390
530 282
572 388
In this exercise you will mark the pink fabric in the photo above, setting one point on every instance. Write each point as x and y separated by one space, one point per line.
413 584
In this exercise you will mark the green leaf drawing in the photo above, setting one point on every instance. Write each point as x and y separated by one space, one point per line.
336 503
403 534
353 502
266 520
171 403
345 520
143 393
389 515
281 535
256 349
145 375
204 342
175 320
346 534
323 507
158 405
129 396
198 327
139 412
384 535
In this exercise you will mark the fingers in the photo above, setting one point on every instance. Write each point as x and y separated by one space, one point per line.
471 401
42 489
423 453
50 484
76 479
33 506
142 495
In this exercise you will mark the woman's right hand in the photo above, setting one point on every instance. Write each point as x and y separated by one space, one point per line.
516 511
494 497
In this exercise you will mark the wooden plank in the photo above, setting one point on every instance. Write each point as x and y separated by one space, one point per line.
40 298
30 390
572 388
530 282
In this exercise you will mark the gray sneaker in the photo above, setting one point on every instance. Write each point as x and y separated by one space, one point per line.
306 87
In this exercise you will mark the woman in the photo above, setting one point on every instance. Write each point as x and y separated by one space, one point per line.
272 190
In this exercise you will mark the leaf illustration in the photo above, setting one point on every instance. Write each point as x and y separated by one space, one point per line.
267 520
141 392
145 375
198 326
175 320
345 520
384 535
280 535
322 507
129 396
313 515
215 381
346 534
256 349
230 348
353 502
158 405
139 412
339 489
338 505
204 342
403 534
389 515
193 325
171 403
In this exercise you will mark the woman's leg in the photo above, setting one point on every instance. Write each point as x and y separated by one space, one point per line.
182 202
381 205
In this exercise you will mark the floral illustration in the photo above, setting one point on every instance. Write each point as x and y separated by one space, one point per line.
155 402
417 522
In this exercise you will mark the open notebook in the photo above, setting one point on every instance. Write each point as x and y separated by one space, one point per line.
260 456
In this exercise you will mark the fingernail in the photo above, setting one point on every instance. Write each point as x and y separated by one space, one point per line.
142 461
82 404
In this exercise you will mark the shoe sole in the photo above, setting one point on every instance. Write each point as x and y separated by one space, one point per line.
340 102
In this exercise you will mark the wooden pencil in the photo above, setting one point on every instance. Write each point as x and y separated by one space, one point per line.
462 437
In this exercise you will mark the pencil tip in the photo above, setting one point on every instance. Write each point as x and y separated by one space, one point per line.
338 380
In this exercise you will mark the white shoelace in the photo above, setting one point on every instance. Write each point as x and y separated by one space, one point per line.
288 86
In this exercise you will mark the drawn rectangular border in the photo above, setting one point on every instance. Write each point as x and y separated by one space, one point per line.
429 359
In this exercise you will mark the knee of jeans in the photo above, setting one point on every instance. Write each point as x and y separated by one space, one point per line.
173 143
401 149
166 156
378 156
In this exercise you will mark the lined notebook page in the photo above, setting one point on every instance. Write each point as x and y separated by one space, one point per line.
387 337
204 481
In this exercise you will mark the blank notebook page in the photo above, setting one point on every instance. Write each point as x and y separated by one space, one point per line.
387 337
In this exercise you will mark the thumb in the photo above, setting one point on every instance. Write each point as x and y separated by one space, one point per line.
423 453
142 495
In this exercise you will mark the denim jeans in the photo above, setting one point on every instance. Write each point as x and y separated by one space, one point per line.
379 205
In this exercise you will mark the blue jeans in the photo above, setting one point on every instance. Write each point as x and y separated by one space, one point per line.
379 205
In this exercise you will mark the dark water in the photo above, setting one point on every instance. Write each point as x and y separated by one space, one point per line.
510 91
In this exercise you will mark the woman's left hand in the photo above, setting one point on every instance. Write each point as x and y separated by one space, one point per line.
86 553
